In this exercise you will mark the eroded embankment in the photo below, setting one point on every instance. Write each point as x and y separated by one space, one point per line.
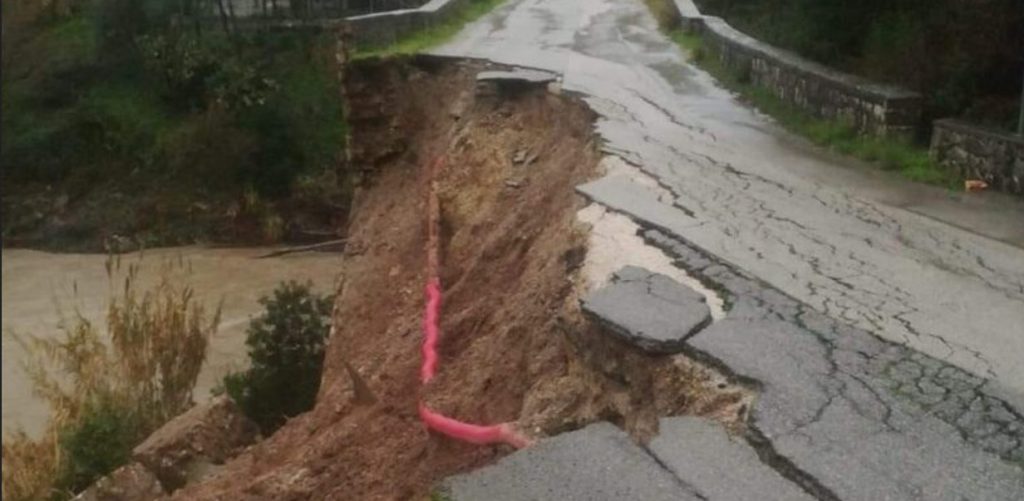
514 346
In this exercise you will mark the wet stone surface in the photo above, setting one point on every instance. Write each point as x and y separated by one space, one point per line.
649 310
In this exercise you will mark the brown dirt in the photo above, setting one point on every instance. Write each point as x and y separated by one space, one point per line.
514 345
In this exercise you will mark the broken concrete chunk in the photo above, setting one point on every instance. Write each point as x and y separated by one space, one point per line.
597 462
521 75
649 310
208 434
132 482
702 455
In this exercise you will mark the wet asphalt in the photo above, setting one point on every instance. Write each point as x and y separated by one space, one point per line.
881 322
938 271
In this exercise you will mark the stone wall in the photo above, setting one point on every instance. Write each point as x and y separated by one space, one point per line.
993 156
318 9
381 28
374 30
869 107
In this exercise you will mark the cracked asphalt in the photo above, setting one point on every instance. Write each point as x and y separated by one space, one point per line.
881 321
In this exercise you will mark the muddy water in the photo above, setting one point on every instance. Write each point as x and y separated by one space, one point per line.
34 283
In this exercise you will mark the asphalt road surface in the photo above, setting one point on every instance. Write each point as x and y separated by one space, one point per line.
940 272
882 321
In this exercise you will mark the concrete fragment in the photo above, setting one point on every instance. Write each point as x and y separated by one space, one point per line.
597 462
621 194
208 434
521 75
132 482
649 310
702 455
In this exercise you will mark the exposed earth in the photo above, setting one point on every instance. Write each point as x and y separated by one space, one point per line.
514 347
673 296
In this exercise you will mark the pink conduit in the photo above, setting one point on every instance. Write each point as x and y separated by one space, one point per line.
431 319
471 433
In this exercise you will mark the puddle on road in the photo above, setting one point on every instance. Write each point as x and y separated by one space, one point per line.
34 283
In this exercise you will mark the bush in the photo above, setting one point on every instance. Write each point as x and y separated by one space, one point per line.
100 442
286 350
107 392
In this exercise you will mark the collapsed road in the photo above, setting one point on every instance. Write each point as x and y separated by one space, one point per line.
882 323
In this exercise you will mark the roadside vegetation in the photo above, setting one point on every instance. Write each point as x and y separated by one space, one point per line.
902 156
964 57
107 389
131 123
434 35
286 355
110 389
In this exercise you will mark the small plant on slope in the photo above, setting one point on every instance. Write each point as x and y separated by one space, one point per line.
286 350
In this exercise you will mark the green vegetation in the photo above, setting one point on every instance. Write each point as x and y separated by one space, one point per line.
100 442
964 57
286 350
435 35
108 391
904 157
665 13
123 119
437 495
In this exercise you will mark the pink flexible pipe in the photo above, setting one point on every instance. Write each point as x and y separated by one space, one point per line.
431 319
472 433
466 432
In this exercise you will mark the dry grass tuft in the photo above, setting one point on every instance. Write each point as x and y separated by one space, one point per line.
144 366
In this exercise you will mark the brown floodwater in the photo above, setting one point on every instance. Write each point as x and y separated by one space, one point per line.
37 286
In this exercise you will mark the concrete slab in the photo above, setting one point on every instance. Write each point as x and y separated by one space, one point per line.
522 75
599 462
621 194
649 310
720 468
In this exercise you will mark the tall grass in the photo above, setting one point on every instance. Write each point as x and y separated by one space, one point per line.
108 390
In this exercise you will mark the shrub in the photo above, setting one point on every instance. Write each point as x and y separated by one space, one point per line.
97 444
286 350
107 392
